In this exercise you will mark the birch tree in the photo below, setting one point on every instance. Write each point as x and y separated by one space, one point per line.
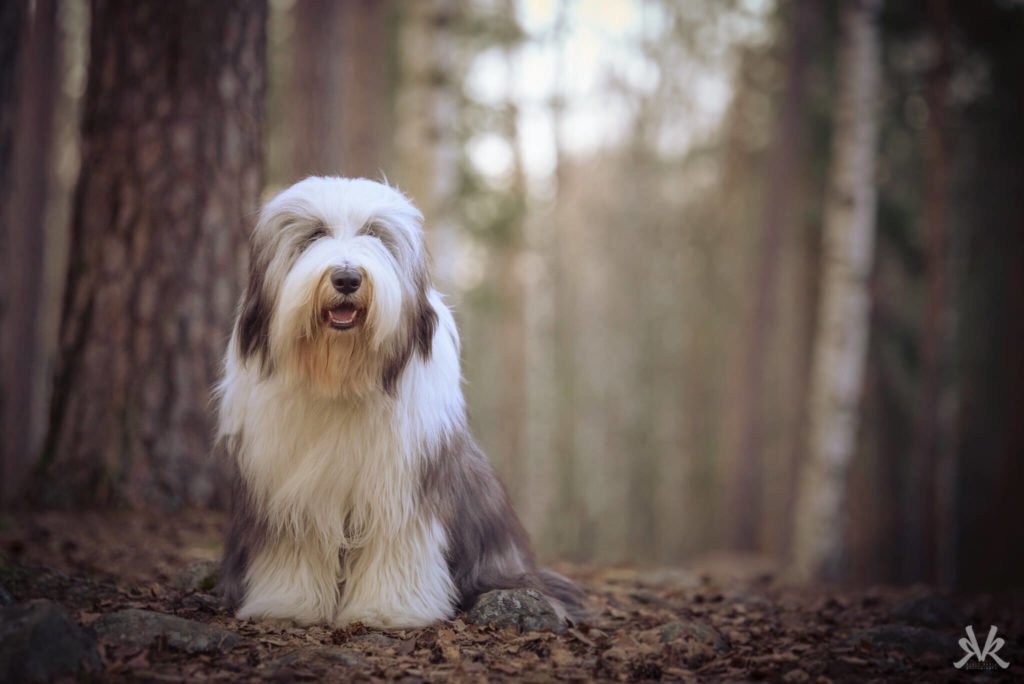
841 339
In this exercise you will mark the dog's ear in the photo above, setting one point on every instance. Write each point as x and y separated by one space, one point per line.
424 323
420 324
253 327
424 318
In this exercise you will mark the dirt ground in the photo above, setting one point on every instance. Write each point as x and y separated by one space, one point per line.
715 621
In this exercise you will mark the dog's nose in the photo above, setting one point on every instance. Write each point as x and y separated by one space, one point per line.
346 280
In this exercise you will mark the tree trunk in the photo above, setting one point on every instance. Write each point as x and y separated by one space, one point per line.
339 87
511 340
841 341
779 205
928 472
24 217
12 22
570 502
314 102
170 181
367 87
427 141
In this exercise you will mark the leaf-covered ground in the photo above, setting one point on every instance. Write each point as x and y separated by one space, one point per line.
724 621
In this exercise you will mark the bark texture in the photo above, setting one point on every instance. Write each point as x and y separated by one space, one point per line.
841 340
171 173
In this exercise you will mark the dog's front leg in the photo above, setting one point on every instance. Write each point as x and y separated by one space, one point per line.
293 578
398 582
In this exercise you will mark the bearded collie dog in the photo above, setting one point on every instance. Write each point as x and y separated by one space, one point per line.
359 494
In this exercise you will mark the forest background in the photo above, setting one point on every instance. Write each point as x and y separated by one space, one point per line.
738 275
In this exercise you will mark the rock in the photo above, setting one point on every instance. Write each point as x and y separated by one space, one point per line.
525 609
39 642
929 611
705 634
143 627
5 597
914 641
200 575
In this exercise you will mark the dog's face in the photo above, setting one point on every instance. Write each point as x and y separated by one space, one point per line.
338 289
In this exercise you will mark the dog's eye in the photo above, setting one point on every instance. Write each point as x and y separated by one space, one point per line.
318 232
379 232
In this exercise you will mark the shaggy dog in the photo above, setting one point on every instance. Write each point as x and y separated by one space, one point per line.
359 493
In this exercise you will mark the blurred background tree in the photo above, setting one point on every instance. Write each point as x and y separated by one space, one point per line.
840 341
27 105
171 172
631 206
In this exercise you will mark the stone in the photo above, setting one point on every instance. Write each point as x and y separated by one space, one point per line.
40 642
914 641
705 634
527 610
928 611
137 627
198 576
5 597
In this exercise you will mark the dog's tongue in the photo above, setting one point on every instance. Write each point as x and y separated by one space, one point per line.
343 315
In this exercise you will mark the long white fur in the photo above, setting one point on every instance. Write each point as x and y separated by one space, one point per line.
336 477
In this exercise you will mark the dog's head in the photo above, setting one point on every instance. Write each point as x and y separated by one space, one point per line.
338 294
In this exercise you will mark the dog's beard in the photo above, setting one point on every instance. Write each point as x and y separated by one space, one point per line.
332 354
336 365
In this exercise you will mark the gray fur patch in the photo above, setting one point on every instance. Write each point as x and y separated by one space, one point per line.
488 548
419 326
247 532
253 325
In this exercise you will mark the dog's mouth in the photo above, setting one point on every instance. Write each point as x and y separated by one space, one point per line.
344 316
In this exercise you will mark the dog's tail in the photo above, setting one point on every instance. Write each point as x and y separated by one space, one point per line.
564 595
